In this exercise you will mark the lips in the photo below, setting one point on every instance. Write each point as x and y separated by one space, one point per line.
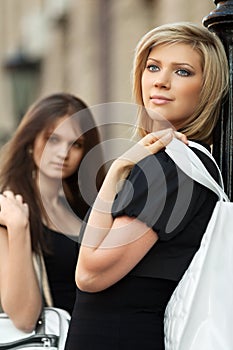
160 100
58 165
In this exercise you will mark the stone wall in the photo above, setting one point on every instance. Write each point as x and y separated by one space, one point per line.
85 46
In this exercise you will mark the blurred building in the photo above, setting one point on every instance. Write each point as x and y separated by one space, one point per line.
80 46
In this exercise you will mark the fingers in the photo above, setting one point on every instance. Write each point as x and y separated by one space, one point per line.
158 139
166 135
151 144
19 198
13 210
10 195
160 142
181 137
166 139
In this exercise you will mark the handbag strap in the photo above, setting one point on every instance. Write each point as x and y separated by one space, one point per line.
40 269
39 265
192 166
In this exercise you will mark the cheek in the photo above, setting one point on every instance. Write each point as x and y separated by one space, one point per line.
144 88
192 99
76 158
192 91
37 155
145 80
38 149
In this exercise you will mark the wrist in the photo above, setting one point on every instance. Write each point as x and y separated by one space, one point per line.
17 229
120 169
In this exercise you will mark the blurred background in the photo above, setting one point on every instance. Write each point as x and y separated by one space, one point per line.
84 47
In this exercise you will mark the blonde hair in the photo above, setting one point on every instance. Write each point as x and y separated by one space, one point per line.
215 70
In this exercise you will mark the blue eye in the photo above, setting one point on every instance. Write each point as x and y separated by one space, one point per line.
152 68
183 72
53 139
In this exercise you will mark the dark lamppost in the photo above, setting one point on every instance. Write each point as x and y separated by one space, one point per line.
220 21
24 74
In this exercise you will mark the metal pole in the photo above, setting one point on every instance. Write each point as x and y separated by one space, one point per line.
220 21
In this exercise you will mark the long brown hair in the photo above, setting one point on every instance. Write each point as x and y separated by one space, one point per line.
17 164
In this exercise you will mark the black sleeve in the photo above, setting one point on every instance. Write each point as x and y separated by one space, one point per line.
159 194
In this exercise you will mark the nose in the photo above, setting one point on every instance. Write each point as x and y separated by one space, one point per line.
162 80
63 151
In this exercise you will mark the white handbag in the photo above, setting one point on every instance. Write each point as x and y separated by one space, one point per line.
50 332
199 314
52 327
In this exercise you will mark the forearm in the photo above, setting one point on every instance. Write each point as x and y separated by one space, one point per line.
91 261
20 293
100 220
106 266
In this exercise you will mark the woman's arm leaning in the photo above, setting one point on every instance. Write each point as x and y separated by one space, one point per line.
112 247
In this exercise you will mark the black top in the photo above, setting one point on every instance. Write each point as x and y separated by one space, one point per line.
60 266
177 208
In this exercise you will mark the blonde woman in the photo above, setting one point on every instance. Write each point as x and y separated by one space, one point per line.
138 242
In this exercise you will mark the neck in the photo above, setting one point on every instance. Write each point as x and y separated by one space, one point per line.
48 187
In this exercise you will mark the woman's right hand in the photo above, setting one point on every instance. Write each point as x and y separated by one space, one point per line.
14 213
149 144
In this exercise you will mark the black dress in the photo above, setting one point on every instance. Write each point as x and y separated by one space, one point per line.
129 315
60 265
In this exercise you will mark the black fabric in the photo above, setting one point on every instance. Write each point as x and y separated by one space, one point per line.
60 266
127 316
174 206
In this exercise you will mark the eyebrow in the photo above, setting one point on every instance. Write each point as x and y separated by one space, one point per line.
173 63
81 138
53 133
